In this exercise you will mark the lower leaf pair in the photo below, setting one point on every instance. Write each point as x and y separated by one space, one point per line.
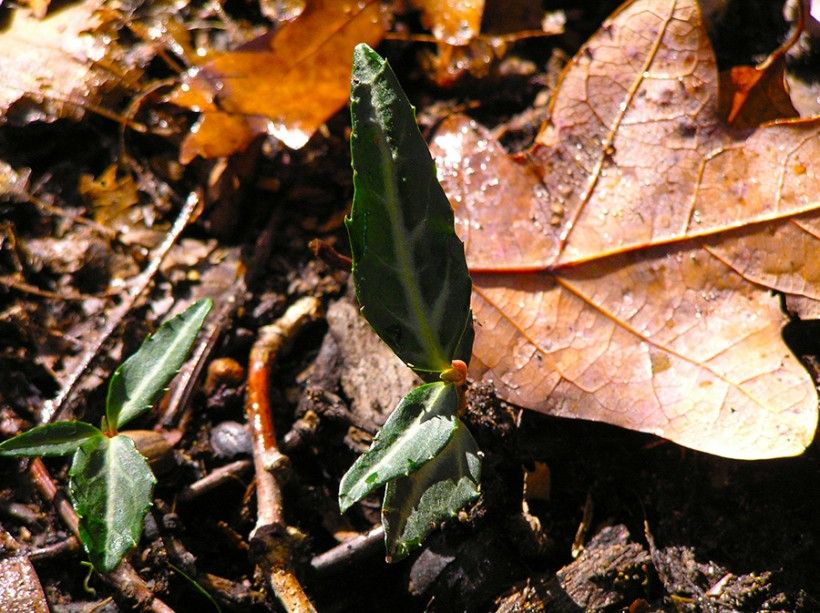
110 482
428 461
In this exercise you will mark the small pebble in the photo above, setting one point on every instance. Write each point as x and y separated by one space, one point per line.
230 439
170 521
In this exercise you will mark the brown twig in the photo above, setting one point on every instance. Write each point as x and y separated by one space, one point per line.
54 211
325 251
57 550
52 408
272 540
217 477
124 579
349 552
26 288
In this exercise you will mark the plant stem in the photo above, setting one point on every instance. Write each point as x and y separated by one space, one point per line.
124 579
271 539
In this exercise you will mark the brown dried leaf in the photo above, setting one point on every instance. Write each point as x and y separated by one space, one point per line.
752 95
286 83
623 268
474 34
454 23
57 66
505 16
38 8
110 197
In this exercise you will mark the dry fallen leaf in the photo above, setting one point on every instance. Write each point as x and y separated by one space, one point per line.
623 269
286 83
57 66
110 197
462 48
752 95
454 23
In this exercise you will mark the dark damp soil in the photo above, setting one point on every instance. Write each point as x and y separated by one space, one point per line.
653 526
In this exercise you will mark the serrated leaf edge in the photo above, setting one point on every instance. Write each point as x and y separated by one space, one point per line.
114 414
398 548
345 500
103 564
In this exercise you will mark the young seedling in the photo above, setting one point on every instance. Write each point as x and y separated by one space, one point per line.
110 482
412 283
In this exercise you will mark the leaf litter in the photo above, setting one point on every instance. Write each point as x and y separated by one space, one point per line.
286 83
43 333
627 277
60 65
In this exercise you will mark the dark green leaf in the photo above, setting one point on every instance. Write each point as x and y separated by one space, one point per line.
408 264
111 488
59 438
416 504
138 381
416 431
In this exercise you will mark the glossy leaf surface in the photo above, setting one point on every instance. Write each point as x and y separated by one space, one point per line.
418 428
59 438
408 264
111 486
415 505
138 381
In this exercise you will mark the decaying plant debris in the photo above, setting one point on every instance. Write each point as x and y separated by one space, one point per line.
144 164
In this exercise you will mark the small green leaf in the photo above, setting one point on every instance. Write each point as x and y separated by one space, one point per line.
408 264
59 438
138 381
416 504
416 431
111 487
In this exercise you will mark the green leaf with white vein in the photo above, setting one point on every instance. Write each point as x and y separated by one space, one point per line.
59 438
414 505
417 429
138 381
111 487
408 264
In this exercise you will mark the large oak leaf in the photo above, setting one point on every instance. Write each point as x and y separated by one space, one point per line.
623 268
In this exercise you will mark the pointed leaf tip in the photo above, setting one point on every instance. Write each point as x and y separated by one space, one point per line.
138 381
366 62
59 438
409 268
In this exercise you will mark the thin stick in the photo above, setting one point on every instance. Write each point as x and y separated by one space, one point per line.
49 553
26 288
223 474
271 538
349 552
52 408
124 579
